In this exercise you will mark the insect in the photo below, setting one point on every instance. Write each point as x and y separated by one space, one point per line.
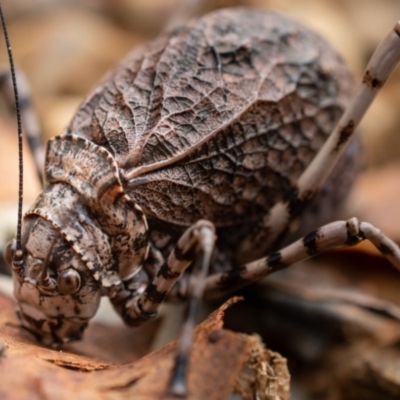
184 170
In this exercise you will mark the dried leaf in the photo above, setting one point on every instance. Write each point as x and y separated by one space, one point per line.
216 362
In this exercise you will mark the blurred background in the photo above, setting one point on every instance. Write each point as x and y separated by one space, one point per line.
336 317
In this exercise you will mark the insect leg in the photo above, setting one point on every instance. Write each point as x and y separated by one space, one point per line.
379 68
195 245
284 213
330 236
206 242
192 244
29 117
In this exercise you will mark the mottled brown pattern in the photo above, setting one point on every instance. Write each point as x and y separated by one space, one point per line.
371 81
217 120
345 134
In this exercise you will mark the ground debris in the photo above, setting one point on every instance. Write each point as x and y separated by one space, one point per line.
265 376
218 358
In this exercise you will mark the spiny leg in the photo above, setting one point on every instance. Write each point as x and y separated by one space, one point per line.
29 118
280 218
192 244
196 289
330 236
379 68
195 245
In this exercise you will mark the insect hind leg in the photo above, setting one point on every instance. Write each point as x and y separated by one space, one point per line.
29 117
281 216
327 237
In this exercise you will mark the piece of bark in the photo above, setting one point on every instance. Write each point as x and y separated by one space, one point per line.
217 360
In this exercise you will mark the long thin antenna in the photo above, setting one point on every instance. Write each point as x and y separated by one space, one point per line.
18 253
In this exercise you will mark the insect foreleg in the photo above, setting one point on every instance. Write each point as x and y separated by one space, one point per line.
196 246
330 236
139 307
29 117
204 249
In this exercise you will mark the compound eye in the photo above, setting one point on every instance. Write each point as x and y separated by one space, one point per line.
68 281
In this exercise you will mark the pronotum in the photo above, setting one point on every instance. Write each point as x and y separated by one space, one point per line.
184 170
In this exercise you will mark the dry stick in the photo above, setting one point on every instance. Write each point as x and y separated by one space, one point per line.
335 295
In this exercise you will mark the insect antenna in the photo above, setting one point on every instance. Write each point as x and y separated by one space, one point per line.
17 259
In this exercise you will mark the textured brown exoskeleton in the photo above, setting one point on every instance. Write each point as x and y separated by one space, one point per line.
198 148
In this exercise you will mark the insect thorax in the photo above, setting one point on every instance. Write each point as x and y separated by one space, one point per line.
84 200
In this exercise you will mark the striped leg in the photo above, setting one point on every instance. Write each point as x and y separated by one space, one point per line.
283 214
196 289
29 118
195 246
330 236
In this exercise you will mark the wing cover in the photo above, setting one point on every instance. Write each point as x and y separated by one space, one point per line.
218 119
